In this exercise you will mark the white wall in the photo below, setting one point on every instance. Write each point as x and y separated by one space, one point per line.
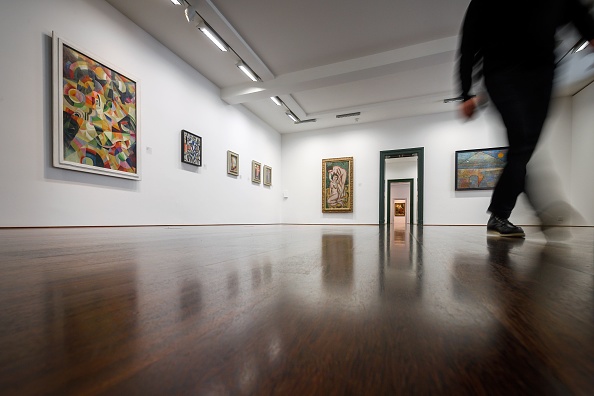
173 96
440 134
582 160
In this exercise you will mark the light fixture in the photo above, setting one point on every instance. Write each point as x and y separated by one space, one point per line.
454 100
176 2
190 13
212 36
247 71
358 113
292 116
580 46
276 100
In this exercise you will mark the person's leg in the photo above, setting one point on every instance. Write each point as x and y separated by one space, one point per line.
522 99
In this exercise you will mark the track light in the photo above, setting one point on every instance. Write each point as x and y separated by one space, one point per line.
292 116
276 100
212 36
190 13
247 71
580 46
176 2
454 100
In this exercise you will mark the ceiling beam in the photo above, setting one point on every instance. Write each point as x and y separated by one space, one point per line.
372 66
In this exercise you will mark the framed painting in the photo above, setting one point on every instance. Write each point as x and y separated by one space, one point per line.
232 163
95 114
337 185
267 175
399 209
479 169
256 172
191 148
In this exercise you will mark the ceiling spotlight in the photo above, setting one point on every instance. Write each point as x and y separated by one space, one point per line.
212 36
190 13
247 71
276 100
176 2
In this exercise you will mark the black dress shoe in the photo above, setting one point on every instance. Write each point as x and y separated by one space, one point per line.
503 227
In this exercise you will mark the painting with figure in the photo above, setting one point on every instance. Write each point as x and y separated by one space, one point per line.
232 163
96 122
337 185
479 169
256 172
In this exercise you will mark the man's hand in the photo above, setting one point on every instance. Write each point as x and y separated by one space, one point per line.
468 107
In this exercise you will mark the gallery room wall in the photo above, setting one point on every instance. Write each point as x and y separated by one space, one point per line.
441 135
172 96
582 160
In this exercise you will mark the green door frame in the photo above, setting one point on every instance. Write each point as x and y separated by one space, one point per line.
384 155
411 199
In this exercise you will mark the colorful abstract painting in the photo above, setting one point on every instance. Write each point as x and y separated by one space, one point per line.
479 169
337 185
191 146
98 105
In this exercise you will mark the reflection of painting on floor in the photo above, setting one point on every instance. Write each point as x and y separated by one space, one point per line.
479 169
399 209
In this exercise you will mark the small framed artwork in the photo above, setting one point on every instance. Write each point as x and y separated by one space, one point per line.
232 163
479 169
399 209
337 185
191 148
95 114
256 172
267 175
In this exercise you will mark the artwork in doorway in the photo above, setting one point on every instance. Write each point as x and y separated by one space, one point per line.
399 209
232 163
95 115
256 172
337 185
479 169
267 175
191 148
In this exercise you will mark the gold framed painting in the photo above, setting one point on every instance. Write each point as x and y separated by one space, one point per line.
256 172
337 185
232 163
267 175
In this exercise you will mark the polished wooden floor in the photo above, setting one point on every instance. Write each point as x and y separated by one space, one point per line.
295 310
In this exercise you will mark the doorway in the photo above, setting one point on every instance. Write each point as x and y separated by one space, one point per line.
401 201
385 203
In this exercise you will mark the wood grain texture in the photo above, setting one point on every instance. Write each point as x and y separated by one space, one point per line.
294 310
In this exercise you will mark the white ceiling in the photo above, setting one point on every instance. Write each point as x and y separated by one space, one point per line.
383 58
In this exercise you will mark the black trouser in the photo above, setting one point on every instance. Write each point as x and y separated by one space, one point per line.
522 98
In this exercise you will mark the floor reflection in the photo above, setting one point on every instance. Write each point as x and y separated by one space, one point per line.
300 310
90 310
337 261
